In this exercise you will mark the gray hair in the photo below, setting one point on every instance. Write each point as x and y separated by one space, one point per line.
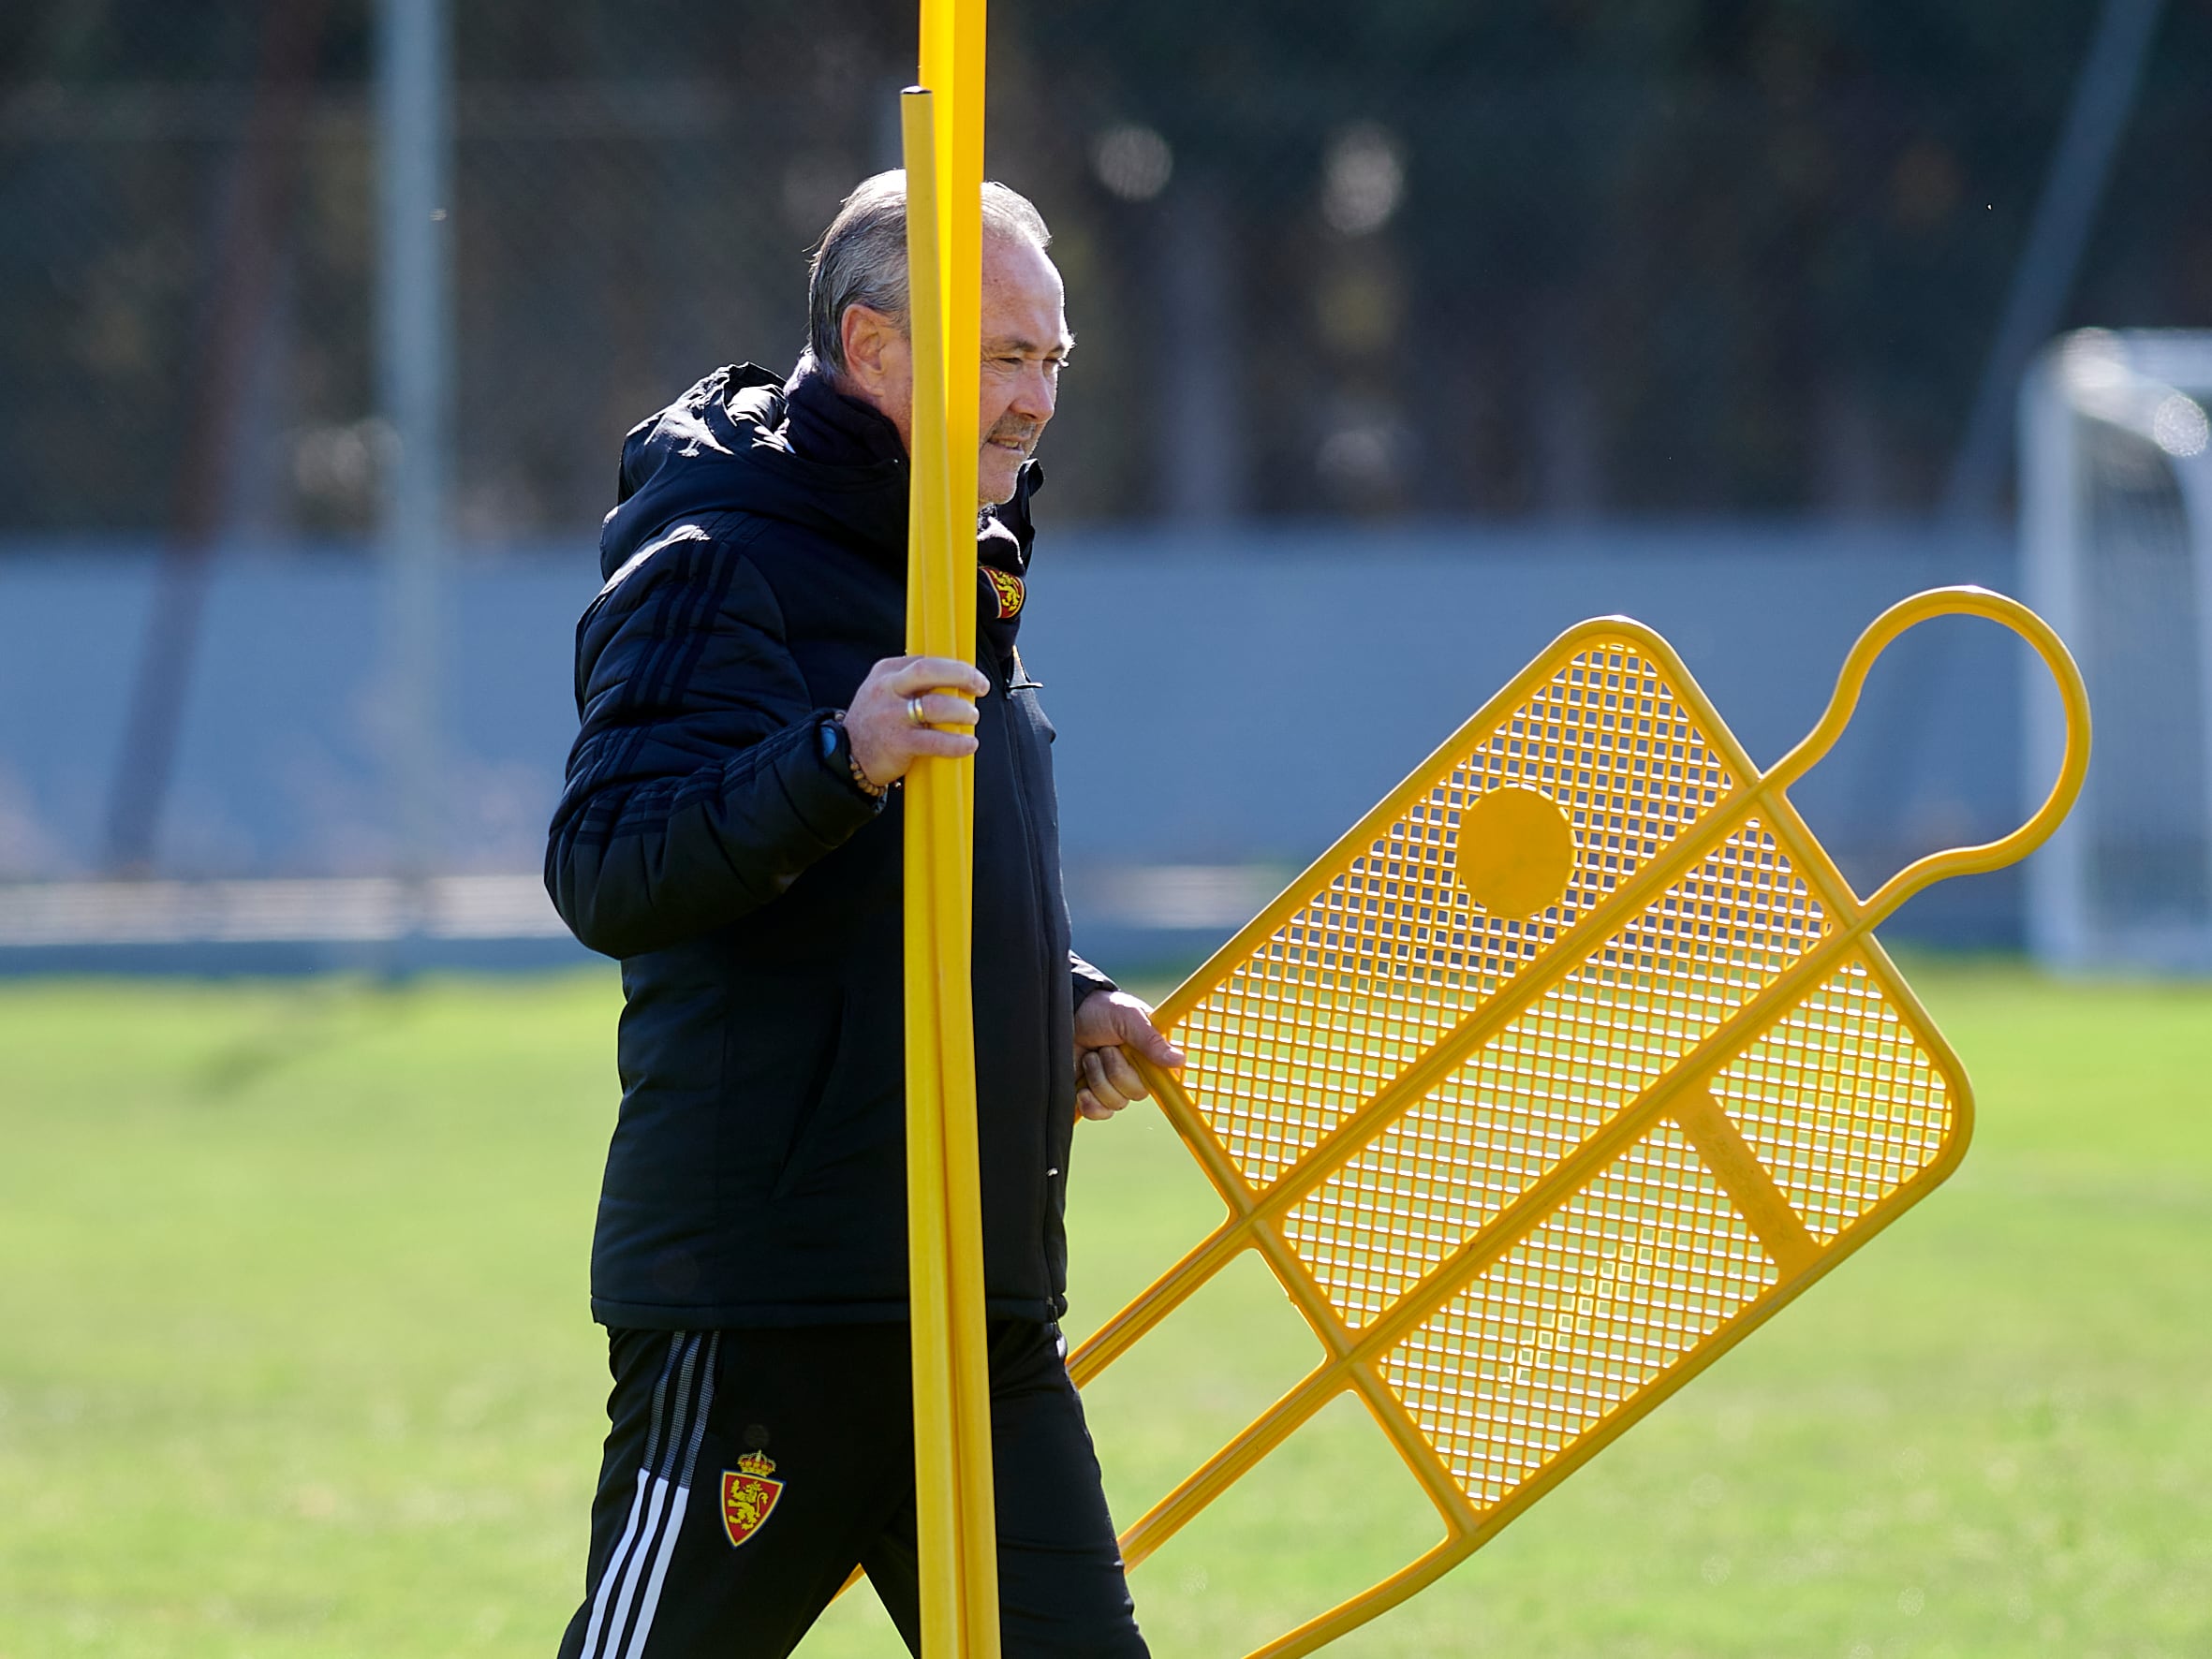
861 258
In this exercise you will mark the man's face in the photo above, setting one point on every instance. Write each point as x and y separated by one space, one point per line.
1026 339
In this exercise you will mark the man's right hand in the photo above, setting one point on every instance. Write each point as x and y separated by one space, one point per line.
886 736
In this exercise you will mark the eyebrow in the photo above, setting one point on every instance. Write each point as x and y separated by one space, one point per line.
1064 345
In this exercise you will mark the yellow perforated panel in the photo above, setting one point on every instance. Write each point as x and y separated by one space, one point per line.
1381 962
1535 1090
1839 1101
1524 1173
1579 1316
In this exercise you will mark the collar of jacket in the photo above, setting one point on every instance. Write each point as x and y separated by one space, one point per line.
746 440
827 427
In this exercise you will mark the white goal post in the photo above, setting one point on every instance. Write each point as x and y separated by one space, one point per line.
2115 517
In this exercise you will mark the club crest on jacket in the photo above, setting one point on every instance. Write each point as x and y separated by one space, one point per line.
1008 587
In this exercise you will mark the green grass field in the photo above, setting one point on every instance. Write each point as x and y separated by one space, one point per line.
294 1360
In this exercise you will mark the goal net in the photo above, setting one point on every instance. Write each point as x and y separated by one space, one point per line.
2116 534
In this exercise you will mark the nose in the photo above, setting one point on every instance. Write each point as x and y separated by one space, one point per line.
1034 394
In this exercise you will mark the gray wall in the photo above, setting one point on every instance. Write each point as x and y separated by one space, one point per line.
1226 701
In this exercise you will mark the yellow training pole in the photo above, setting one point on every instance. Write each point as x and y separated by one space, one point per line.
953 70
957 1539
937 1468
951 66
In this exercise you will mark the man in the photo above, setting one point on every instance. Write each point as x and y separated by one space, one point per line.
731 831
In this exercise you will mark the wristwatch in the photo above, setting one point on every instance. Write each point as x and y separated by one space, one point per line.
837 751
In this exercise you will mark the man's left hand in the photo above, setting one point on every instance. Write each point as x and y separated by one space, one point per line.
1108 1023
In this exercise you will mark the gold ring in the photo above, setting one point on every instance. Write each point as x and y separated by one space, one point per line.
914 715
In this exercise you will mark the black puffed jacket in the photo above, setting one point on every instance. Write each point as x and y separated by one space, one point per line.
711 836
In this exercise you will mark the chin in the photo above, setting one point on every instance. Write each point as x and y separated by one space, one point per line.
997 480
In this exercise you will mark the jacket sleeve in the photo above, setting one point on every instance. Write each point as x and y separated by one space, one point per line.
697 790
1089 980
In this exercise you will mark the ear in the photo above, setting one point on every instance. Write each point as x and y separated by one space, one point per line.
868 336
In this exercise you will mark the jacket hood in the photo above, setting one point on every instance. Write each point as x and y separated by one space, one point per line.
726 445
722 447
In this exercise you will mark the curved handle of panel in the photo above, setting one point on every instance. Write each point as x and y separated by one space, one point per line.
2073 694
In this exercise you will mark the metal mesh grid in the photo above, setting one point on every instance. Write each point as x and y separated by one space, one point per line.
1565 1066
1580 1315
1839 1101
1392 954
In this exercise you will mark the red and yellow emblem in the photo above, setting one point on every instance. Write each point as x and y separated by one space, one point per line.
1008 586
748 1496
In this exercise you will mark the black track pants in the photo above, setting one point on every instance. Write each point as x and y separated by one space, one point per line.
747 1472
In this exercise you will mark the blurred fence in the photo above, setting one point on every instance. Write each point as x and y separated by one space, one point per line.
1401 258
